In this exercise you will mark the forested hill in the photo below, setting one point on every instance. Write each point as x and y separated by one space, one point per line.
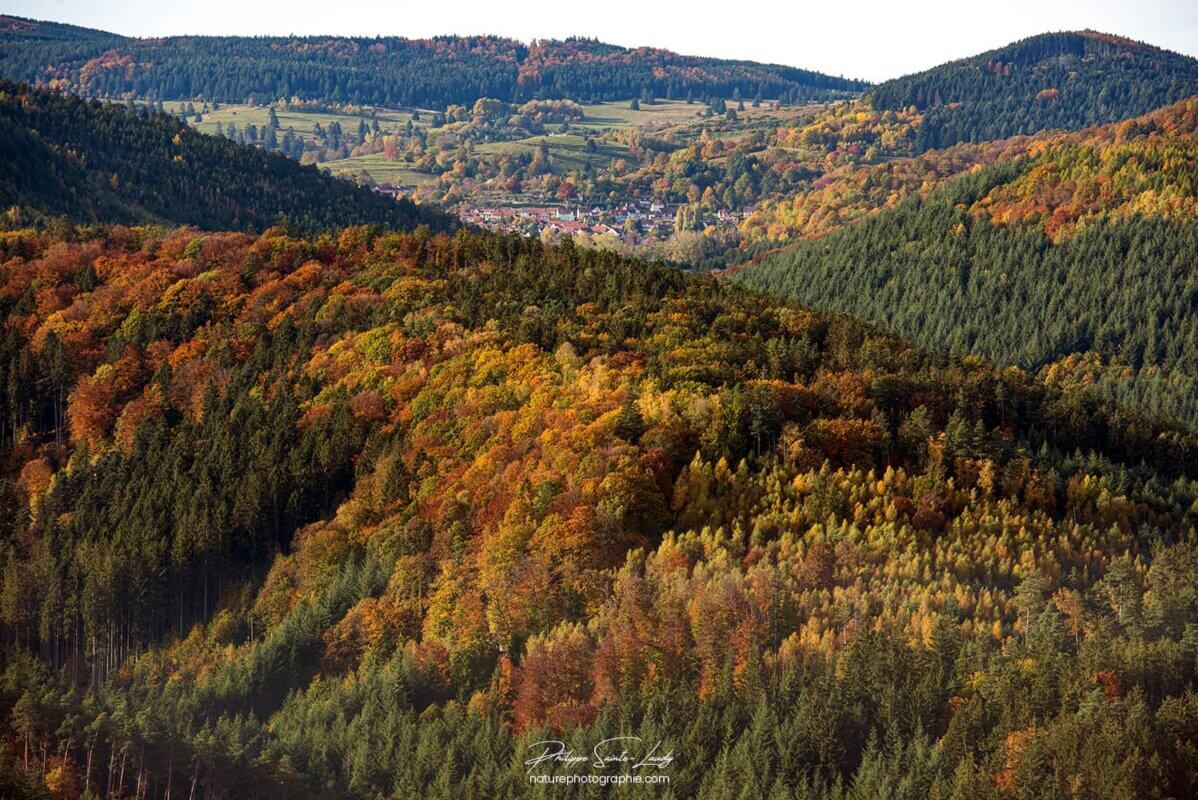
292 517
850 190
1055 80
386 71
1075 245
94 161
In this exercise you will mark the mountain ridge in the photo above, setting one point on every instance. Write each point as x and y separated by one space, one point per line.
384 70
1065 80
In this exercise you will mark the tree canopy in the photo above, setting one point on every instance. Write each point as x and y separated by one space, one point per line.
369 513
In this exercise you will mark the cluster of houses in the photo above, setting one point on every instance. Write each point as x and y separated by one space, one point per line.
632 221
629 221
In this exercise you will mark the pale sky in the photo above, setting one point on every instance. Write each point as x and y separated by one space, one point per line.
871 39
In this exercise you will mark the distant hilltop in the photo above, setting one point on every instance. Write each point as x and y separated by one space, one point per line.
390 71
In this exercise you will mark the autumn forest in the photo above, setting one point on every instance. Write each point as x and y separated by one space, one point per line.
874 477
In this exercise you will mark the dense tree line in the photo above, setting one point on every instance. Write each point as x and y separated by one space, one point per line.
369 514
86 160
1055 80
1028 261
589 70
385 71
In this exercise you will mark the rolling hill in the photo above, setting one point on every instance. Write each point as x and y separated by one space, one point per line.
365 512
386 71
1056 80
913 133
1063 245
298 517
90 161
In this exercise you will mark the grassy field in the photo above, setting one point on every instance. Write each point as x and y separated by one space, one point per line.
566 150
598 116
302 121
617 114
685 121
378 168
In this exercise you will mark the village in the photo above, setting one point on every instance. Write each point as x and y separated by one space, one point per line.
633 222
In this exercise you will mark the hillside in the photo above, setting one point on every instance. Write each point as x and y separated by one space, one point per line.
1061 245
384 71
852 189
299 517
92 161
308 494
1056 80
911 134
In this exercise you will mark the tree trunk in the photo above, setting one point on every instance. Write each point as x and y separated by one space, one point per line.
143 780
170 773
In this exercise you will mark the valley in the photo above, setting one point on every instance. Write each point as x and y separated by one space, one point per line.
392 418
488 162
